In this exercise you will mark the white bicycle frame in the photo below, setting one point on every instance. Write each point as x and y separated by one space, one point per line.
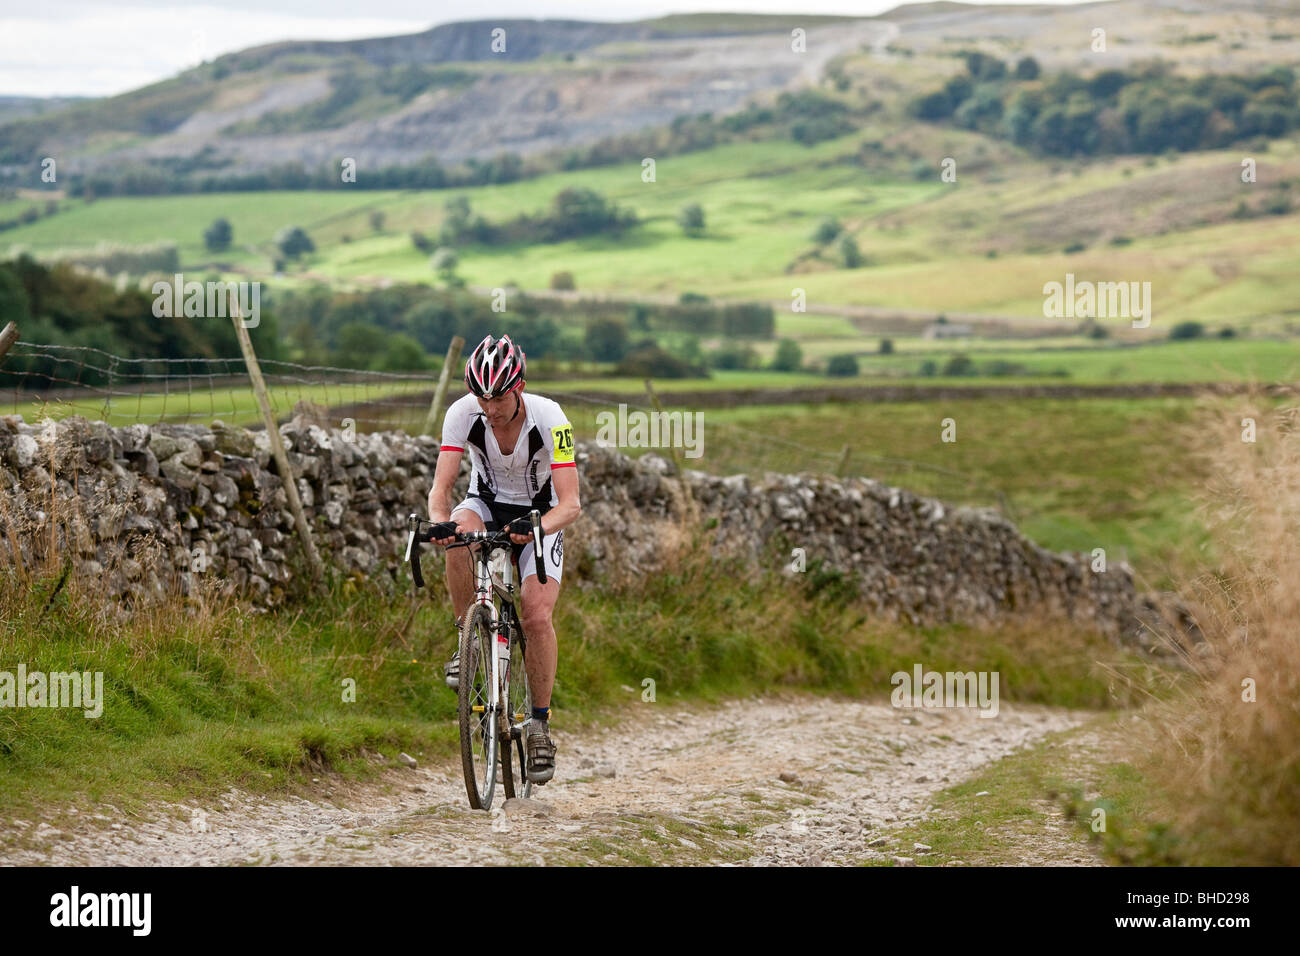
485 585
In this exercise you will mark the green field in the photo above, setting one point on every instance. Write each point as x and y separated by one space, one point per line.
928 244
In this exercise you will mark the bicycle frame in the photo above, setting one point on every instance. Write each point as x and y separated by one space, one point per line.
485 587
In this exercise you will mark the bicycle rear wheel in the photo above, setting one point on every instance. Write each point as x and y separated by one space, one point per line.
519 709
478 722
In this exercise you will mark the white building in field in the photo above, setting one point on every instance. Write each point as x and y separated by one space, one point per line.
946 330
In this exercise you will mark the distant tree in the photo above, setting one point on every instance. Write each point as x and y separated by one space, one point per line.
359 345
422 242
648 360
886 346
788 356
293 242
218 236
1027 69
1187 330
638 317
455 222
850 257
578 211
734 357
959 364
444 263
826 230
401 353
691 219
606 340
842 366
985 67
563 281
377 220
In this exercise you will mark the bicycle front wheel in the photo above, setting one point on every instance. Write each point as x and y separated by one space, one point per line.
478 721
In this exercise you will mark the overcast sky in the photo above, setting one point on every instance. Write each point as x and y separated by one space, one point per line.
98 47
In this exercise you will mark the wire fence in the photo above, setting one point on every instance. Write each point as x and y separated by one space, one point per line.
55 381
39 381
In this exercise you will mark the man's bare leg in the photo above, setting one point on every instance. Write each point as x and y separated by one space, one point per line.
460 567
543 654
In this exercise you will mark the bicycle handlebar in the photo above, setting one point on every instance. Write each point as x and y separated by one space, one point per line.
499 538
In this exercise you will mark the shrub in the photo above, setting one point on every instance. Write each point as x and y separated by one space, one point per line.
648 360
563 281
217 237
606 340
788 356
959 364
734 357
293 242
849 254
886 346
444 262
691 219
826 230
842 366
1187 330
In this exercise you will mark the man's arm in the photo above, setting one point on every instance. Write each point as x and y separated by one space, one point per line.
567 506
444 478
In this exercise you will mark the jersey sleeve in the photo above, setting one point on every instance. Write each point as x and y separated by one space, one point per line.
558 435
455 428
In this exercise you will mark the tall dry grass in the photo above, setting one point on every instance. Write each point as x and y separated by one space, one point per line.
1227 754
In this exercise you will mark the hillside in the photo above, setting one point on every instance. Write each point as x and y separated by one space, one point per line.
561 84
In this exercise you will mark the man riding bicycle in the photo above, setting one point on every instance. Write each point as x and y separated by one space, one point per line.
521 449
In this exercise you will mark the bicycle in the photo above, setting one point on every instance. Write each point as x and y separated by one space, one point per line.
494 700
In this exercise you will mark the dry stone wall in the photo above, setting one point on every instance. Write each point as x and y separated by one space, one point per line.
141 508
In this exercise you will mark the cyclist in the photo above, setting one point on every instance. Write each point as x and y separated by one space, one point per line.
521 449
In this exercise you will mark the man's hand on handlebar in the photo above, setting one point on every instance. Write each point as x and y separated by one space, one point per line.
444 532
521 531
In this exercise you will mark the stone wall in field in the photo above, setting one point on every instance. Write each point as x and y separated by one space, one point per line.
143 508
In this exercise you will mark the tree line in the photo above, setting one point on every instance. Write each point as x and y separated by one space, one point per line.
1144 109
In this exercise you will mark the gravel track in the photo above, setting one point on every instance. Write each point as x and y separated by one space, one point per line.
778 780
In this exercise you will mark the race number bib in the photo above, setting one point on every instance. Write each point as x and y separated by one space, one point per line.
562 438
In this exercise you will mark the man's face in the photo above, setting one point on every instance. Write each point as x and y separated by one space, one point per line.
501 409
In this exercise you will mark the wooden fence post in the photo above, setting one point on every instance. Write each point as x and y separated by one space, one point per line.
277 444
431 424
842 468
8 337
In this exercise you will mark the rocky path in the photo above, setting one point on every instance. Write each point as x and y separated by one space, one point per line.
777 780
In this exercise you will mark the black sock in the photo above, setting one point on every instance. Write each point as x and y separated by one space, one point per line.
541 713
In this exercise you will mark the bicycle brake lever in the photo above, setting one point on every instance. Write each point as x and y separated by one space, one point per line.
540 554
413 549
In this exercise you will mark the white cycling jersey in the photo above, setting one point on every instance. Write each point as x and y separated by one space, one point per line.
522 477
